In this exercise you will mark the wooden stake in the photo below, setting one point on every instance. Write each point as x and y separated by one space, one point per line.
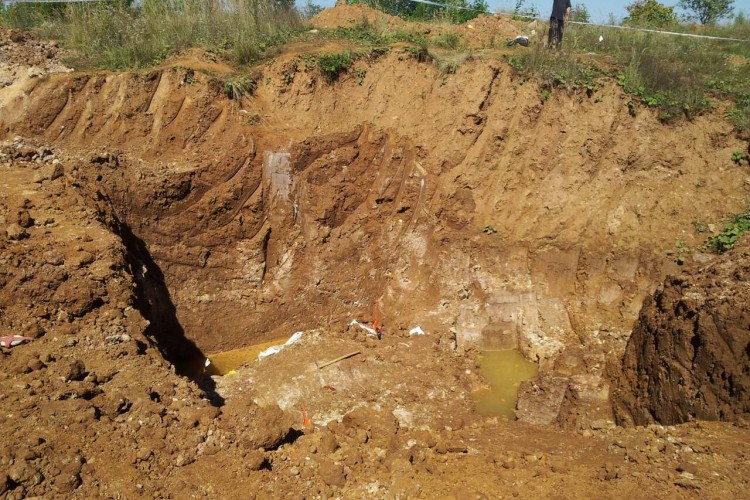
340 358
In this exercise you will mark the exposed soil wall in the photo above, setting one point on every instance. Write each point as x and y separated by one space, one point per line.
146 218
455 200
689 355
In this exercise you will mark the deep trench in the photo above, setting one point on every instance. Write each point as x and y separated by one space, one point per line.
154 302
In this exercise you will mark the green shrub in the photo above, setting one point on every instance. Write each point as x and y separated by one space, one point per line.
467 9
738 225
237 89
332 65
651 14
419 52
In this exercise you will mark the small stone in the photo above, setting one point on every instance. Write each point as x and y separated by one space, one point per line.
25 220
83 259
34 331
67 483
25 152
144 454
332 474
609 472
328 443
255 460
509 463
76 371
451 447
54 258
56 171
16 232
35 365
687 484
602 424
687 467
183 460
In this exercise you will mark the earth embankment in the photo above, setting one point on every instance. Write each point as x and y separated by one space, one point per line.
689 355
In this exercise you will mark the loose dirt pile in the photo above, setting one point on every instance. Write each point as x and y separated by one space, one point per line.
90 386
485 31
689 355
25 48
150 219
349 16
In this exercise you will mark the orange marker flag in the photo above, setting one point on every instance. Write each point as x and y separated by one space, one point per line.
376 323
305 421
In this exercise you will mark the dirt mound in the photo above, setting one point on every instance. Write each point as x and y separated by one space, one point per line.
481 32
689 355
91 383
489 31
24 48
349 16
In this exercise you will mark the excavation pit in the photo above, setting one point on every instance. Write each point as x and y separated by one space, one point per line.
504 370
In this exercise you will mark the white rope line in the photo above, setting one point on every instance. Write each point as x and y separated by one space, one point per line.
646 30
614 26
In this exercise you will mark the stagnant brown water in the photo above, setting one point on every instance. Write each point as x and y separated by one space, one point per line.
223 363
504 371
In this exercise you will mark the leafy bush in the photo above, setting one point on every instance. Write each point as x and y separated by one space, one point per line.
738 157
708 11
650 13
332 65
406 9
580 14
419 52
733 231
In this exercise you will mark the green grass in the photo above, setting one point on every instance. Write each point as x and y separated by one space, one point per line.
239 88
116 36
676 76
371 35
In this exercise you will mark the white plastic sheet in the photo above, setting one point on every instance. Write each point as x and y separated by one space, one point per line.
370 331
277 348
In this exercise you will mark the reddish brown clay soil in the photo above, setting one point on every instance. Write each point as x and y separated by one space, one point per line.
149 220
689 355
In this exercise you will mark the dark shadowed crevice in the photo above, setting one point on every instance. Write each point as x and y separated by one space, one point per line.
155 304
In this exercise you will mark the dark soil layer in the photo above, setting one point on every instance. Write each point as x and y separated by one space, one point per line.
689 355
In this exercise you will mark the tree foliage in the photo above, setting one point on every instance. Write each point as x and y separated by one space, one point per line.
708 11
523 11
462 10
310 10
650 13
580 13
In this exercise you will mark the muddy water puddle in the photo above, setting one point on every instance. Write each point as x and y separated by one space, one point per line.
223 363
504 371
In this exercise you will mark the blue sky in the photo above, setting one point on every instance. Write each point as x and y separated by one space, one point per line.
599 9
